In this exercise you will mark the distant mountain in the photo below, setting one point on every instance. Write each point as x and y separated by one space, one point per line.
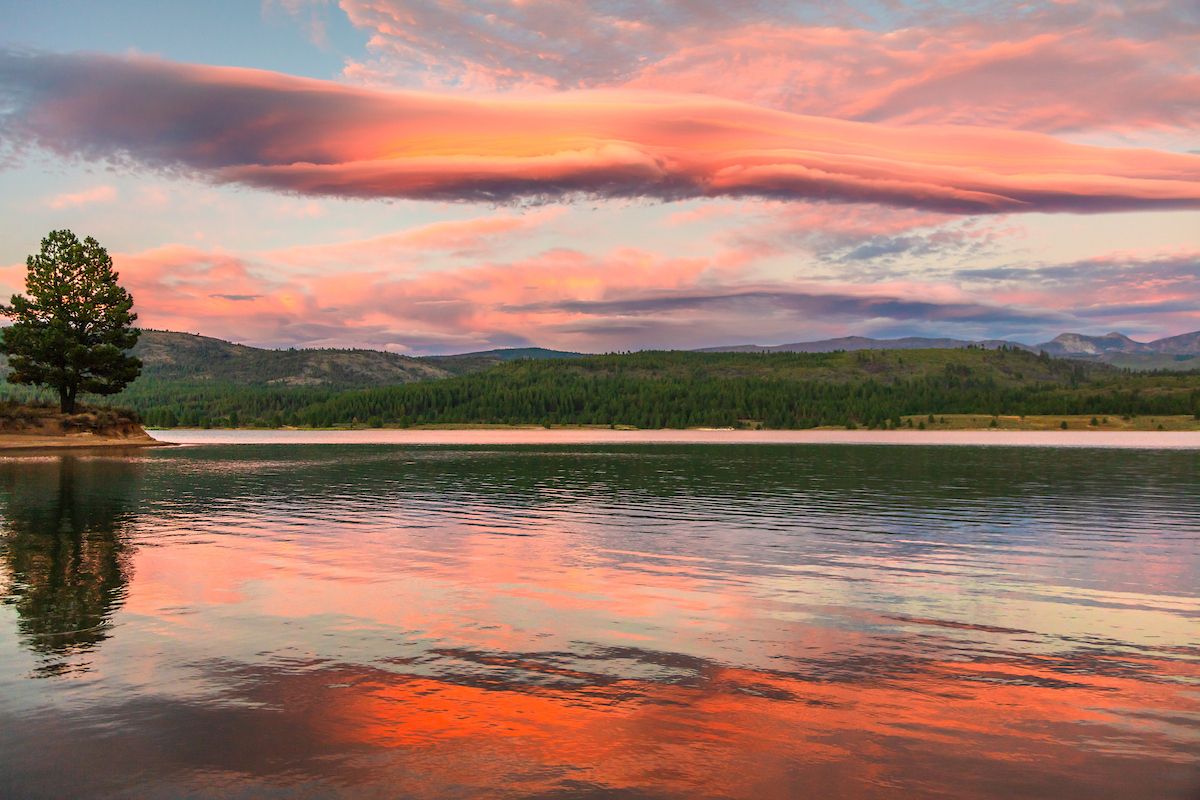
1183 344
184 358
1176 352
863 343
170 356
1077 344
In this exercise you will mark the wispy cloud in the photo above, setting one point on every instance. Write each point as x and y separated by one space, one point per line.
1034 65
628 299
803 304
294 135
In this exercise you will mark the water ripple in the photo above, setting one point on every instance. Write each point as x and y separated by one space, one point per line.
601 621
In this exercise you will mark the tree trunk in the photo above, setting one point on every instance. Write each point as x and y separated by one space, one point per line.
66 400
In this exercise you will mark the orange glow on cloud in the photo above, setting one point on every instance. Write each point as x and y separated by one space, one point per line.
378 292
290 134
1046 66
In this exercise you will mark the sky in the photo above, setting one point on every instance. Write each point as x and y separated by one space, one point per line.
436 177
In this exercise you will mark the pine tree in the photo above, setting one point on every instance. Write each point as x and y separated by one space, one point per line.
72 330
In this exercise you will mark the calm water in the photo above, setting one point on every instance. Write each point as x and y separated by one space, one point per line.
613 621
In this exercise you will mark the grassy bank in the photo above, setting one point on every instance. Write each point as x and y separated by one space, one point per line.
1044 422
942 422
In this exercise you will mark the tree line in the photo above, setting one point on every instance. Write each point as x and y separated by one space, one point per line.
680 390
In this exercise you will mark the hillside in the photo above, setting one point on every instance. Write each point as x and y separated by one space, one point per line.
198 381
1147 362
170 356
173 356
194 380
775 390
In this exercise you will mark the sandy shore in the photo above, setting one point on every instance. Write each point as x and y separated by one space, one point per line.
578 436
13 442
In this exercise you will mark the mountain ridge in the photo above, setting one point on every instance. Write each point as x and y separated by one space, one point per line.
174 356
1172 352
185 357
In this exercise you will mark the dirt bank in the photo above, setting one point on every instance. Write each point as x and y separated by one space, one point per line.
39 427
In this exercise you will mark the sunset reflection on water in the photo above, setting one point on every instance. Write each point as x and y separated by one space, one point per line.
601 622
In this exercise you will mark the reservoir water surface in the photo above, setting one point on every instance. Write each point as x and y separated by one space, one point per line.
667 621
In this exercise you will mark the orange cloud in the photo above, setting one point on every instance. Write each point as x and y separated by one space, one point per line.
295 135
1046 66
621 299
1075 79
629 298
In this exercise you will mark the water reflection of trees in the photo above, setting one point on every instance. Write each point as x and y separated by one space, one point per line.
933 477
64 546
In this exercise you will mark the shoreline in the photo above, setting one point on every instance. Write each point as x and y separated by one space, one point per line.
1147 440
34 428
11 443
17 444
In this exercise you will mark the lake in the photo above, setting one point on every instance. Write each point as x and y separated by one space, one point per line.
594 621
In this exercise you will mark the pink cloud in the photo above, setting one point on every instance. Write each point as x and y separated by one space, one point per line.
189 289
1157 292
84 197
629 298
1075 80
313 137
1038 66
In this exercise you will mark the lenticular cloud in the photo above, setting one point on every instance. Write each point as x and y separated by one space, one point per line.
295 135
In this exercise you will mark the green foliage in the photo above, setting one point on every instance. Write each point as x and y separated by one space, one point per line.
680 389
71 330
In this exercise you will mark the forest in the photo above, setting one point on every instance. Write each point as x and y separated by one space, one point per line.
674 389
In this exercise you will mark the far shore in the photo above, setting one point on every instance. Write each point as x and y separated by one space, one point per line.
1189 440
50 434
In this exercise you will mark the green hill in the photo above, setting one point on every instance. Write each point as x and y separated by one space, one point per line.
774 390
170 356
1146 362
198 381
